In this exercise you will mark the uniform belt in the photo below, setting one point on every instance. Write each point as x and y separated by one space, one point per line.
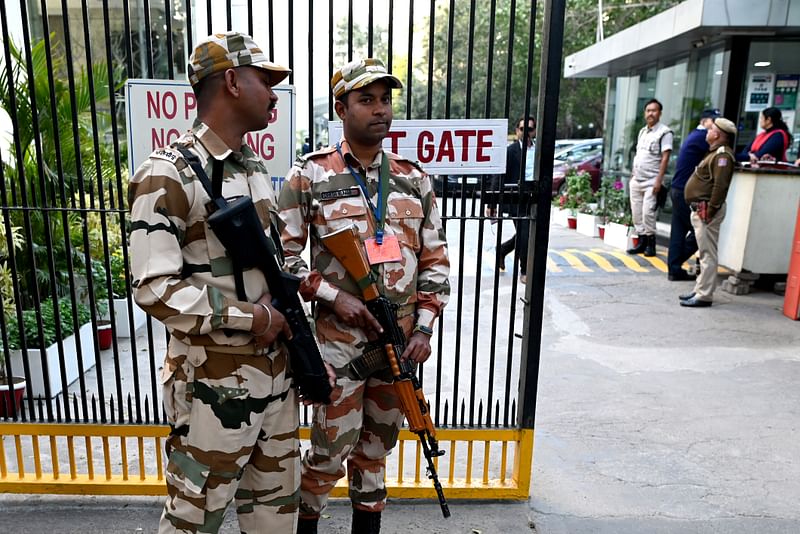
248 350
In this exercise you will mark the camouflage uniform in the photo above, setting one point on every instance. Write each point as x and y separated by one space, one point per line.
232 411
361 425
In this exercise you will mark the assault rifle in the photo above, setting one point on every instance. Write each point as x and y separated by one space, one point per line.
239 229
345 245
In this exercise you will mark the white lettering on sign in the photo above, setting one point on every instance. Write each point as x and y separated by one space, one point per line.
160 111
446 146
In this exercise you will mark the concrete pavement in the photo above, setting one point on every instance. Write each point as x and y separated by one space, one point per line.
657 418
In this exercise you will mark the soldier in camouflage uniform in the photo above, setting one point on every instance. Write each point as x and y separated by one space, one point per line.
331 189
227 397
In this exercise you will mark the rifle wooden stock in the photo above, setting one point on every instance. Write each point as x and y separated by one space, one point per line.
345 245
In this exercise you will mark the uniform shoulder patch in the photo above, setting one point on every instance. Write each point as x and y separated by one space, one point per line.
305 158
398 157
167 154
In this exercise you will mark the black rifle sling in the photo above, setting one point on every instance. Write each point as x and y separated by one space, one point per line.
214 189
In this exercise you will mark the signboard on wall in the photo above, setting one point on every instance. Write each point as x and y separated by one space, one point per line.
759 91
786 91
160 111
446 146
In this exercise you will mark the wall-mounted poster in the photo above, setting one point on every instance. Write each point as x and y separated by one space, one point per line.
786 91
759 91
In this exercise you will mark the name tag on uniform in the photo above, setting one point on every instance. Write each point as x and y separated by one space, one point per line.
340 193
389 251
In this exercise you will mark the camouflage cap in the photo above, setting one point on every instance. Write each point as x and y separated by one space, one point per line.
360 73
725 125
223 51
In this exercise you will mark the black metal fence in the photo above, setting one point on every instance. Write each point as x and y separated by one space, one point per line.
64 255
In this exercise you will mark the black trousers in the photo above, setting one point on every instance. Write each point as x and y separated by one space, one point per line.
682 242
519 242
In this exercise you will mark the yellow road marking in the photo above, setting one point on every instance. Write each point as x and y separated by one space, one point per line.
626 259
656 262
573 260
552 266
597 258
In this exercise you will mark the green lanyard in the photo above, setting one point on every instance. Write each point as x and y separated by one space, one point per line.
379 212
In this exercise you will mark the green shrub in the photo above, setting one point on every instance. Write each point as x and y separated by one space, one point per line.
48 324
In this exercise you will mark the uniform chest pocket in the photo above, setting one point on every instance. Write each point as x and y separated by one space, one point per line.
405 217
340 213
655 146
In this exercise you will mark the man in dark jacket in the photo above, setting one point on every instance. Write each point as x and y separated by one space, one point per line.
682 242
513 204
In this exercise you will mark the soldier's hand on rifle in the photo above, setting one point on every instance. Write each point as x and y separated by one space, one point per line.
331 381
353 312
268 323
418 348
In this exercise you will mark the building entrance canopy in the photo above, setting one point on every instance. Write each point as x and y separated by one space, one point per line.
691 24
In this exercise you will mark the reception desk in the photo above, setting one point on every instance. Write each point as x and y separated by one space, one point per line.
756 235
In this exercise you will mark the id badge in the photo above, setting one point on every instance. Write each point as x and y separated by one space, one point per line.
389 251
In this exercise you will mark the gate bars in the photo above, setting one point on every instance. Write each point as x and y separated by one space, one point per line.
63 197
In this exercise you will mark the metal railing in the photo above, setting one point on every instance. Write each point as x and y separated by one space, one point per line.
64 255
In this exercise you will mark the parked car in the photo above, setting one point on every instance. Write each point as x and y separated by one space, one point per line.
563 144
586 156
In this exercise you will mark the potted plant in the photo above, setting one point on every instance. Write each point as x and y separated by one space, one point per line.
562 212
34 352
122 298
100 301
10 388
616 213
579 193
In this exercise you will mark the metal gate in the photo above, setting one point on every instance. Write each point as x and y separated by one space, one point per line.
90 419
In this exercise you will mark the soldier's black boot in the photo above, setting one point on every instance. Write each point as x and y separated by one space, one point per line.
366 522
307 525
640 247
650 249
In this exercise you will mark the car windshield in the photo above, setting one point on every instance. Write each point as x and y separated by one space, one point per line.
572 156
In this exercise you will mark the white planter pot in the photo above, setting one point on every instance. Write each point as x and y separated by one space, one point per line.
121 321
587 224
560 216
37 384
617 236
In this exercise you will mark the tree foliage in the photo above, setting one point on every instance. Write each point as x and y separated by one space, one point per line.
582 101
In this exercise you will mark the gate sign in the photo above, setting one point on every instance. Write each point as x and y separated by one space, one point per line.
446 146
160 111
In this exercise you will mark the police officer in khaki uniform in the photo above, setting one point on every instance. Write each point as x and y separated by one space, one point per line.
227 396
390 201
705 193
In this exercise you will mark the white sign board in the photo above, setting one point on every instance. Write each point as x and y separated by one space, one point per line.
160 111
446 146
759 91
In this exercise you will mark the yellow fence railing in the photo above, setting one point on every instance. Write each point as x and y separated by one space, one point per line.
96 459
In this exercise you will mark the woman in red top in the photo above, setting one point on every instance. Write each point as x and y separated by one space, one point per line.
772 143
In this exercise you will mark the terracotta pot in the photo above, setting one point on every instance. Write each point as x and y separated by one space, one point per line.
572 222
104 338
18 389
601 230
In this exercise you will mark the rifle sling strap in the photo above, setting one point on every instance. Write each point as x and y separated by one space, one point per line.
214 189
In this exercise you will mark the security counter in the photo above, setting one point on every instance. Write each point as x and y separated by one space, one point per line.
756 235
